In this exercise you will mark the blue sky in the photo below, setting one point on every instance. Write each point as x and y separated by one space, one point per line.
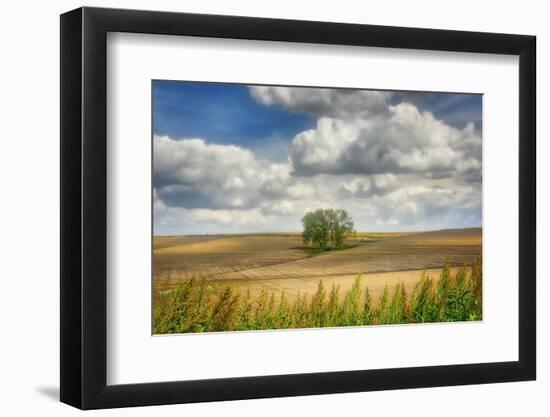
455 109
227 114
223 113
240 158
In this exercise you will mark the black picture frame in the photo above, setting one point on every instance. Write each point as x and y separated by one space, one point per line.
84 207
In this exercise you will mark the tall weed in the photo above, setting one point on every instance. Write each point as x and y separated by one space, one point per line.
194 306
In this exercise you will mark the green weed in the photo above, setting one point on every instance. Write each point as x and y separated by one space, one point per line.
196 307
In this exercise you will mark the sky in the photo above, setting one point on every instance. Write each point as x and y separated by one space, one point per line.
234 158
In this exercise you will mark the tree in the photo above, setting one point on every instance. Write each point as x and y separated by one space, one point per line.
326 225
316 229
340 225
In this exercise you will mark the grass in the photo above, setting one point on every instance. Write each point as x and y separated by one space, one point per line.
195 306
332 249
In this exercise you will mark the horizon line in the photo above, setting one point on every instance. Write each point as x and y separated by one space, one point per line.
299 232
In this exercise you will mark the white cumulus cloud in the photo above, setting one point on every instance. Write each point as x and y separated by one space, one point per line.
390 166
402 141
332 102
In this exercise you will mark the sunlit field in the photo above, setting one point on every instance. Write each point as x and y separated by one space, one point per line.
274 281
378 192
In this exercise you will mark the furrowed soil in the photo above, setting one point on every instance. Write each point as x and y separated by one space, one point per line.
279 261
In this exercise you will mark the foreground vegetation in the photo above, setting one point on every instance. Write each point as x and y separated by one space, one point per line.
195 306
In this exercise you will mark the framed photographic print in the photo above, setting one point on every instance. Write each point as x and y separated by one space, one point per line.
257 207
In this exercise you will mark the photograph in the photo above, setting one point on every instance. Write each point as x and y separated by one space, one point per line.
267 205
288 207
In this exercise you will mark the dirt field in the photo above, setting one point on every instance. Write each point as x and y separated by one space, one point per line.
279 261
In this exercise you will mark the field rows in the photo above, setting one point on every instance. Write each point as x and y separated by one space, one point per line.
279 261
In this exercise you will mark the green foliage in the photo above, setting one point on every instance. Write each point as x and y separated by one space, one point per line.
324 226
368 313
316 229
225 311
283 318
396 310
333 309
340 225
246 321
350 313
318 311
196 307
423 305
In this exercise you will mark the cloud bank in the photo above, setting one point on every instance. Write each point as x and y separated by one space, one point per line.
392 166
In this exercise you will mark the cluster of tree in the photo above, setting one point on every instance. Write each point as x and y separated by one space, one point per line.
325 228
